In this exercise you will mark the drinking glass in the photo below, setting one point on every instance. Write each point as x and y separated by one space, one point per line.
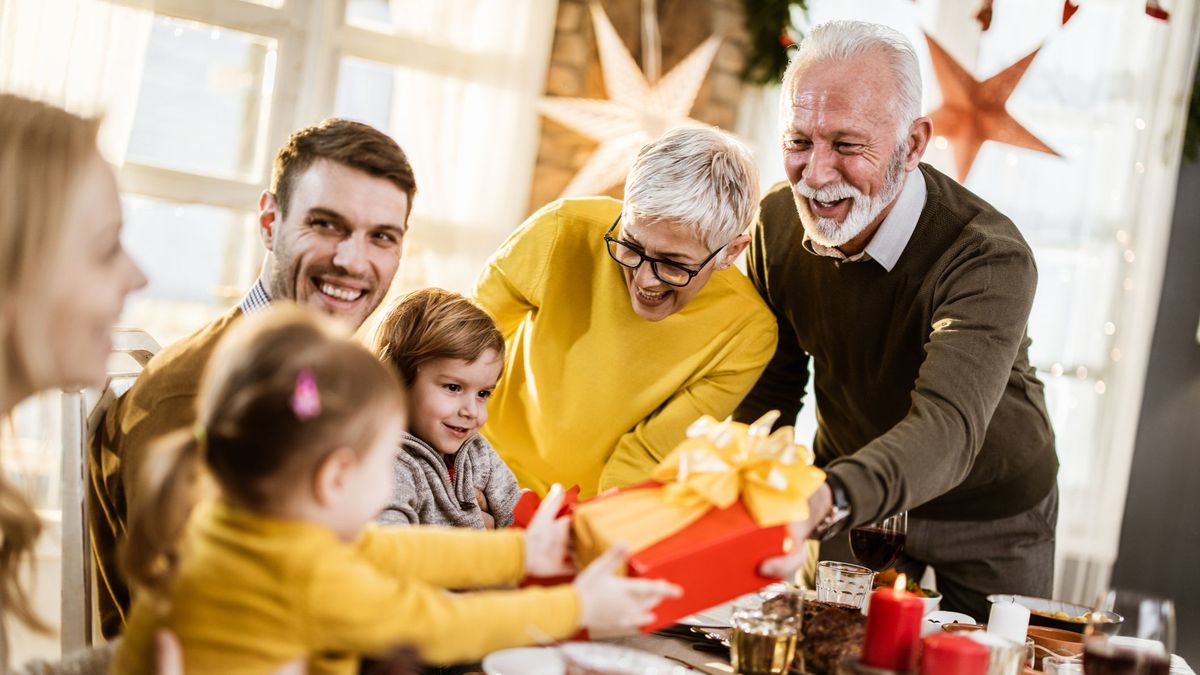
1129 633
843 583
877 545
1062 665
763 639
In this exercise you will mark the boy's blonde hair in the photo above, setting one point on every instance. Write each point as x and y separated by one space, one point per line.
283 389
434 323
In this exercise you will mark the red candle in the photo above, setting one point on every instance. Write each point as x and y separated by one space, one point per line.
946 654
893 629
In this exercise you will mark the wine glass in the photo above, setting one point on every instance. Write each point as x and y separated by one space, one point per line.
878 544
1129 633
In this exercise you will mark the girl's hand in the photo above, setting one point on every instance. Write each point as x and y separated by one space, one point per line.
608 602
547 537
168 657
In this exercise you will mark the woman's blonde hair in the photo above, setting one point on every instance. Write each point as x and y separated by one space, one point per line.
282 390
433 323
43 153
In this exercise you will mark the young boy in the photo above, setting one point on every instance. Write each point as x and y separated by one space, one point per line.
450 354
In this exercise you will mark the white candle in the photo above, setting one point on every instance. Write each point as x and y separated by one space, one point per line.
1009 621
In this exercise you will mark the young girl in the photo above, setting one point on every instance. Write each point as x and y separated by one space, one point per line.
297 426
449 353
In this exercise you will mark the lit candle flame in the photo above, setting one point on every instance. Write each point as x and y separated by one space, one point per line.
901 582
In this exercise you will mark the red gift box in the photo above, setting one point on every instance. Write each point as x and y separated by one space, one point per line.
527 504
715 559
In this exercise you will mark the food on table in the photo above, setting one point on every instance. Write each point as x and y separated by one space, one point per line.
1063 616
832 633
887 579
783 605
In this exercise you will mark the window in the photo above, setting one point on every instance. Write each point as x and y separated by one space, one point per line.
198 95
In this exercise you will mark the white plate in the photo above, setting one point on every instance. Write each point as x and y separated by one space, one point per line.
935 620
524 661
600 656
611 658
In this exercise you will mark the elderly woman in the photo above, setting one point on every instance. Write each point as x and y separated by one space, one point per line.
624 322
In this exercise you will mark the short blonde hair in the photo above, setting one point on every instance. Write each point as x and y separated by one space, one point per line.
434 323
696 176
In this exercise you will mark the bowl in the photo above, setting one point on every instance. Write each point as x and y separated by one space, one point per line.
931 603
1042 613
1056 641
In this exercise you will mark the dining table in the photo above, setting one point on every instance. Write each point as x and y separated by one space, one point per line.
687 649
706 660
678 651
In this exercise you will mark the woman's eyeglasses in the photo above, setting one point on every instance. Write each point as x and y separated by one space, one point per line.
666 271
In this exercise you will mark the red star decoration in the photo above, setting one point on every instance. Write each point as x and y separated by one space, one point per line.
984 17
1156 11
973 112
1069 9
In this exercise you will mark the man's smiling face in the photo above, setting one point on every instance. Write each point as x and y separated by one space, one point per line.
337 245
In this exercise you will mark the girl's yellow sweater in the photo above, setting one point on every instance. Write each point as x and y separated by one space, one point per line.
254 593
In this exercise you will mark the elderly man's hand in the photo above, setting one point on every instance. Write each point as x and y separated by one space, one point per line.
785 566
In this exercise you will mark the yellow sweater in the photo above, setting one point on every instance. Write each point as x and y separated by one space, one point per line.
254 593
592 394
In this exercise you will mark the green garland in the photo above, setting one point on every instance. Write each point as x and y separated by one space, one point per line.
772 32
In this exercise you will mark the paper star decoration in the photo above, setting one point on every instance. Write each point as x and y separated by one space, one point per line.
973 112
636 111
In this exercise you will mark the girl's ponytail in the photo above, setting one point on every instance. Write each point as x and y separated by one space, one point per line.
166 491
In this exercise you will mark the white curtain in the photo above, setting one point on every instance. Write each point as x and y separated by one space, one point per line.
1108 91
462 107
84 55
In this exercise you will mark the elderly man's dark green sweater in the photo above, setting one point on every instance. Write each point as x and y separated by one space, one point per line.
925 396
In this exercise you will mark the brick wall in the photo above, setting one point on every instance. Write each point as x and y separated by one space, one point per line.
575 71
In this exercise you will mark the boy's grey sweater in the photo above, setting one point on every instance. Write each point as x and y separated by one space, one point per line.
424 493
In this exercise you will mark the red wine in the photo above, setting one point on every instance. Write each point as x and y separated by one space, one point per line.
876 547
1103 658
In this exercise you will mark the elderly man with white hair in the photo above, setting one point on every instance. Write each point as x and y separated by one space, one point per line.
910 296
625 322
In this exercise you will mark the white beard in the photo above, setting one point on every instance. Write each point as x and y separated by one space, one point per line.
863 210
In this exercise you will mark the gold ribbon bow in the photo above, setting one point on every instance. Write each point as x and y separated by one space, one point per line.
715 466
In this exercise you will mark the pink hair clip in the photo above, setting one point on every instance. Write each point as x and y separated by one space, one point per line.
306 399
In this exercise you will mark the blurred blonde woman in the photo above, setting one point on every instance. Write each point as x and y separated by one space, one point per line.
65 279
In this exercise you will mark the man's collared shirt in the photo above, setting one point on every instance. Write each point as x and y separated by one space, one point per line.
256 298
893 233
